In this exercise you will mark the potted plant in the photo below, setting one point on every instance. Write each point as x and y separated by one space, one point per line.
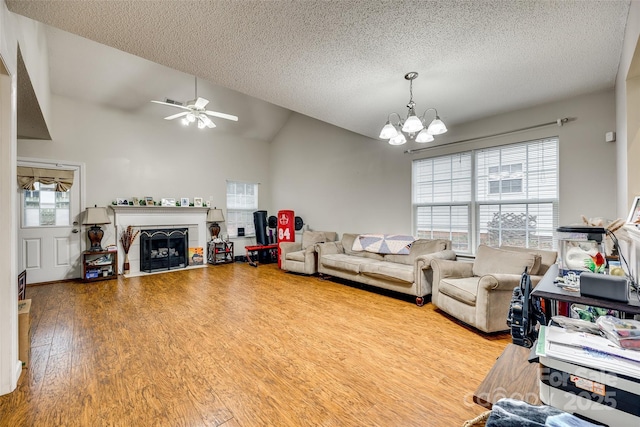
127 238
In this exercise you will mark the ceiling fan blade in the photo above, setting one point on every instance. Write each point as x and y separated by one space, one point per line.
222 115
175 116
207 121
201 103
170 104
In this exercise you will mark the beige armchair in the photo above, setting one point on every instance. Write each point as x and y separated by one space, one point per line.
479 293
301 257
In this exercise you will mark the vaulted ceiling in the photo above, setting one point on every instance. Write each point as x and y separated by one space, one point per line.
342 62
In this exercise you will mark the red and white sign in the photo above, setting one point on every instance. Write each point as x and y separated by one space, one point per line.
286 229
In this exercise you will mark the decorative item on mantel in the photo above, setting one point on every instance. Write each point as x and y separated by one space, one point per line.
126 238
96 216
214 216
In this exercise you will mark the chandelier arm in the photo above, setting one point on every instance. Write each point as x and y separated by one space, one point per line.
399 117
426 111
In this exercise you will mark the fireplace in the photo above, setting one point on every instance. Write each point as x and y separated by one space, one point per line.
163 249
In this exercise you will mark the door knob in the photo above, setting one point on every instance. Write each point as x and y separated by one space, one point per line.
75 222
75 230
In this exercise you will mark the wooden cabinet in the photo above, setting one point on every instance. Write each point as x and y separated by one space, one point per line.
99 265
219 253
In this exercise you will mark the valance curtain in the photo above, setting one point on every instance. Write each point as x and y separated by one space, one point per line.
27 177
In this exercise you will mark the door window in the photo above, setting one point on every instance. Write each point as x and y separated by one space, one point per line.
44 206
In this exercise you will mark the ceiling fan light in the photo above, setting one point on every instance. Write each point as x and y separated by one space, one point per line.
424 136
412 124
201 124
388 131
184 121
437 127
191 117
398 140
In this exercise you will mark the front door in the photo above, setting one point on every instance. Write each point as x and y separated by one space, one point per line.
49 235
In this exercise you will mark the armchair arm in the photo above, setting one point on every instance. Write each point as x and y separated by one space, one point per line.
422 272
288 247
499 282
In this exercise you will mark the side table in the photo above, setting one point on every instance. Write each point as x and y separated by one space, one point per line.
219 252
511 376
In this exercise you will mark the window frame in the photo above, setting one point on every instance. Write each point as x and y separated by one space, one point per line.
476 205
246 212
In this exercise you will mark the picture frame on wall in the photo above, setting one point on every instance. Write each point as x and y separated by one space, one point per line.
634 213
184 201
197 202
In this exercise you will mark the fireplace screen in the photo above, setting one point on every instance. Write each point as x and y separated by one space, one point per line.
163 249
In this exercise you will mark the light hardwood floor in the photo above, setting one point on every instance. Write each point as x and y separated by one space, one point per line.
234 345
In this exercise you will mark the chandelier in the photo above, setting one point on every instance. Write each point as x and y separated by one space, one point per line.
413 124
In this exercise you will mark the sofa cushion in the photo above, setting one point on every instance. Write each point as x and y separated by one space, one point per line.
310 238
389 271
547 258
499 261
345 262
295 256
419 247
464 290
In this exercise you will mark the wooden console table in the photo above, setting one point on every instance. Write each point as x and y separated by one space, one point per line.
511 376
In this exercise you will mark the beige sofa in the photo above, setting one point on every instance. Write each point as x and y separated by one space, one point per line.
409 274
479 293
301 257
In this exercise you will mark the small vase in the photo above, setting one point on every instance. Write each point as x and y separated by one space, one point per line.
125 267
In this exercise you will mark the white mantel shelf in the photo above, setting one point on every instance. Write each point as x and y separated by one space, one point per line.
156 209
145 217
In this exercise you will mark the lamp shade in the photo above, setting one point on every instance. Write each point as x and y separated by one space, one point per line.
437 127
215 215
388 131
412 124
398 140
95 215
424 136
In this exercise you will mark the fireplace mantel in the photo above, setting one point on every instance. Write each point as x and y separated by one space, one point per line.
143 217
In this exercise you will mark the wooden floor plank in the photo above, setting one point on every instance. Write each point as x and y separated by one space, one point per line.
237 346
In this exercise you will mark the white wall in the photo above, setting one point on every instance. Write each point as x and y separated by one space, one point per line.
627 185
337 180
128 155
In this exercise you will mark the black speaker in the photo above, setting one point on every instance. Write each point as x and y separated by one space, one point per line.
273 222
260 221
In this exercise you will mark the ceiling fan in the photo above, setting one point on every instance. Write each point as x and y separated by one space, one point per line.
195 111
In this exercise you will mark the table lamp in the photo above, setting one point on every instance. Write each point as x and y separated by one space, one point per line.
95 216
214 216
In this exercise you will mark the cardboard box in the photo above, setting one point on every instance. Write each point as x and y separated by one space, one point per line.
24 331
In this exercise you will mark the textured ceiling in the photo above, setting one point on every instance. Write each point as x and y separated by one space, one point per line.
342 62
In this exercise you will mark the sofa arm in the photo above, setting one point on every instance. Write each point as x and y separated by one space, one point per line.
424 261
445 268
329 248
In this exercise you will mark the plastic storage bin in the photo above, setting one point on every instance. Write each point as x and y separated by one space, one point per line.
580 249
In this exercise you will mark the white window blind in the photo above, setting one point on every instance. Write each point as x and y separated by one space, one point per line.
442 199
504 195
242 201
517 194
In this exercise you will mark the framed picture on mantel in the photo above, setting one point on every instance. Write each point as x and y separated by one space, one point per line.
168 202
184 201
197 202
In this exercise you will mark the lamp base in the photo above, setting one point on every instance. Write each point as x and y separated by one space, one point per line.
214 228
95 235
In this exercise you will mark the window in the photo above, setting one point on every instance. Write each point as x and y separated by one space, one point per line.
505 195
44 206
442 199
242 201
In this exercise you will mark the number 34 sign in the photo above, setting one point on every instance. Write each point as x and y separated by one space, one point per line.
286 229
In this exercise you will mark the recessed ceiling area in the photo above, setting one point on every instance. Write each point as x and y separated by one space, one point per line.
341 62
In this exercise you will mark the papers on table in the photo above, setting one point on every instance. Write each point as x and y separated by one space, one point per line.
587 350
